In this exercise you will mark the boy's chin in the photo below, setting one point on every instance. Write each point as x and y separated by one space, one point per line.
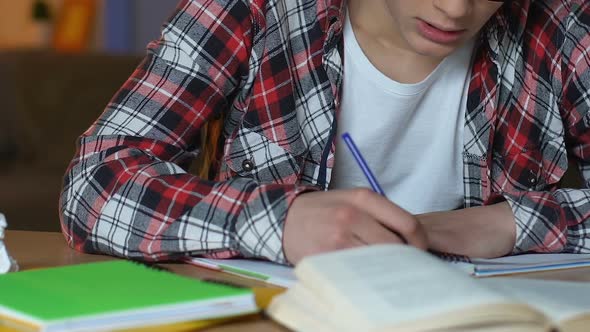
431 49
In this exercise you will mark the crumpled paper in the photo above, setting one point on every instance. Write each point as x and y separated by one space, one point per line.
7 263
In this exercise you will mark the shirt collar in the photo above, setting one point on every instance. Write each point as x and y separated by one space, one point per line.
509 21
334 13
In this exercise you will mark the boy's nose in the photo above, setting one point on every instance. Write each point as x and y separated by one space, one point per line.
454 9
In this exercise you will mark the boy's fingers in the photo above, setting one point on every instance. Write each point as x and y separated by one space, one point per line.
390 215
372 231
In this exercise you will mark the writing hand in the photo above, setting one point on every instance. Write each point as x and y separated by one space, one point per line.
339 219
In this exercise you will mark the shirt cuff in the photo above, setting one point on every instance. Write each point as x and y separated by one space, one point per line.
537 221
260 227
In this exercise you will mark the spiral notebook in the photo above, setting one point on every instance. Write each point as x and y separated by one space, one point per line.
112 295
525 263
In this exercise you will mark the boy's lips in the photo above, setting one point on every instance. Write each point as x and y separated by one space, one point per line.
439 34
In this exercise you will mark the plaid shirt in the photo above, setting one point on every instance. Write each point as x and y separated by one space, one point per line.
274 67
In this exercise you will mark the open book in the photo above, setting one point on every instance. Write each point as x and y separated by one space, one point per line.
400 288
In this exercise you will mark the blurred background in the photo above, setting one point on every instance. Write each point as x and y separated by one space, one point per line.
60 63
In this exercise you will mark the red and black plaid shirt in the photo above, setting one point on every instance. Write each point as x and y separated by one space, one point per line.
275 69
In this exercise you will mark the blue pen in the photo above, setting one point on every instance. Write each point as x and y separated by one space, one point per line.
363 164
367 171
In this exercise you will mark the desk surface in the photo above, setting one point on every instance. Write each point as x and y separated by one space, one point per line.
47 249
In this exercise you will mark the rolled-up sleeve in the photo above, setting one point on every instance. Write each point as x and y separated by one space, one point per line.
127 192
559 221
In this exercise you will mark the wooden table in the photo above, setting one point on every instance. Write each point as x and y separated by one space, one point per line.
47 249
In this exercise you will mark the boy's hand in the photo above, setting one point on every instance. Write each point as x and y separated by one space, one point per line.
326 221
481 232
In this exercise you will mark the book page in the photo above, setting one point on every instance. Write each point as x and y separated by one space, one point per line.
391 284
559 300
299 310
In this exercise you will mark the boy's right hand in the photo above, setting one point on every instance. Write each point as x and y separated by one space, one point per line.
325 221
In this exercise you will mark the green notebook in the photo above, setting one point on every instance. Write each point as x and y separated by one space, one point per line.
112 295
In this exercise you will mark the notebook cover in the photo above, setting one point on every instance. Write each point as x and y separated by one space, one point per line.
98 288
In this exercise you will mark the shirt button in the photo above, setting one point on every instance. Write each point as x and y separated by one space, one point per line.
532 178
247 165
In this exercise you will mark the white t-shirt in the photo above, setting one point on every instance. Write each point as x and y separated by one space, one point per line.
411 135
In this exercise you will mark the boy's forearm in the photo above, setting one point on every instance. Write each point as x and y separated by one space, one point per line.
486 231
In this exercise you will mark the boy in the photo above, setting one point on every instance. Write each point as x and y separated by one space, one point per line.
475 104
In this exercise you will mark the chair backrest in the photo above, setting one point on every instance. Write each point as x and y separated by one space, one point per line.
46 101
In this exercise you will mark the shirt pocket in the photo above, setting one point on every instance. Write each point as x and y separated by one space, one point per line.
533 168
253 155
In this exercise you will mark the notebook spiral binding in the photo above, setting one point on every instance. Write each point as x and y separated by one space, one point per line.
451 258
158 267
150 265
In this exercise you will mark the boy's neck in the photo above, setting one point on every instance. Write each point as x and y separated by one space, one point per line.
379 39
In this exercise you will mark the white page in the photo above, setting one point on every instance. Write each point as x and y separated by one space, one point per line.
559 300
300 310
387 285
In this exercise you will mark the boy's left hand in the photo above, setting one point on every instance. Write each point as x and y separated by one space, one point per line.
482 232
